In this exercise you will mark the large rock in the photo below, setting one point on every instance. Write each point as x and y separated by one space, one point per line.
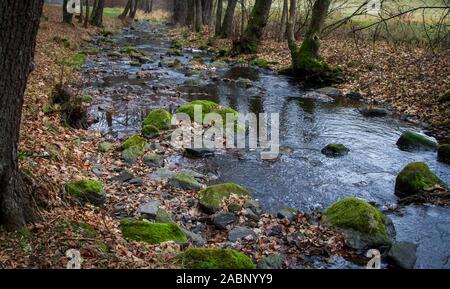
161 174
198 152
153 160
105 147
414 179
150 209
443 154
134 141
288 213
363 225
335 150
210 199
159 118
183 181
152 233
239 233
207 107
196 239
410 141
89 191
215 258
274 261
132 154
403 255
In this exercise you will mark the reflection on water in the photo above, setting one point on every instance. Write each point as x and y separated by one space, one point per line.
302 177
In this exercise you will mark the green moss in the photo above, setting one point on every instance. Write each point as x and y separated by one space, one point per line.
86 98
159 118
261 63
335 150
197 59
152 233
184 181
215 258
131 154
444 153
445 97
75 61
210 199
410 141
179 44
174 52
355 214
150 131
414 179
163 217
81 228
82 187
105 146
207 107
134 141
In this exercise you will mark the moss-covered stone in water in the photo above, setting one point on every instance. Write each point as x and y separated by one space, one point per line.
410 141
414 179
183 181
215 258
210 199
444 153
335 150
152 233
159 118
445 97
134 141
130 50
352 216
87 191
105 146
261 63
206 107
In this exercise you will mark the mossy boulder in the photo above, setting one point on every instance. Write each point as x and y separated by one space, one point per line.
215 258
153 160
335 150
206 107
414 179
443 154
261 63
131 154
183 181
150 131
363 225
445 97
159 118
152 233
86 190
134 141
105 146
211 198
410 141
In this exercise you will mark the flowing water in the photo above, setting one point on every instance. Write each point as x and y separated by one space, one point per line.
302 177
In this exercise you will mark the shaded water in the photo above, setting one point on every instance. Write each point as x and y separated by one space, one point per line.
302 177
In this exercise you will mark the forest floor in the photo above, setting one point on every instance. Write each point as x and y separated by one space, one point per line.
404 78
54 154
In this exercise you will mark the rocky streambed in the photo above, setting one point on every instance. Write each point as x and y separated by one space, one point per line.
142 70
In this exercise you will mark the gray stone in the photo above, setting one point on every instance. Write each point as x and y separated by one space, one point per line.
153 160
275 261
123 176
198 152
223 219
330 91
97 170
287 213
403 255
136 181
354 95
254 206
239 233
317 96
193 173
196 239
373 111
150 209
161 174
183 181
251 215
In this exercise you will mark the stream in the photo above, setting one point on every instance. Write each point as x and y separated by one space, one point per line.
301 177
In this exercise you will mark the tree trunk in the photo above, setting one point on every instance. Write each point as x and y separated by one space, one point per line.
190 16
227 25
97 14
126 9
67 17
19 22
198 16
307 64
86 17
249 41
284 19
242 17
206 11
219 12
80 18
180 12
134 9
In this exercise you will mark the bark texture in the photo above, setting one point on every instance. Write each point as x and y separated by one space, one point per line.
97 13
219 13
19 22
227 25
67 17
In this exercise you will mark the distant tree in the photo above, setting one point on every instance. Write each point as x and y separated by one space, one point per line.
97 13
198 21
18 42
284 19
86 16
67 17
126 10
249 41
227 25
180 12
134 9
219 13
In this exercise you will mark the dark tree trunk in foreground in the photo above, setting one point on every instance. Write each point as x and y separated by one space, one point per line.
190 16
67 17
86 16
307 64
19 22
251 38
180 11
227 25
134 9
97 14
80 17
198 16
219 12
126 9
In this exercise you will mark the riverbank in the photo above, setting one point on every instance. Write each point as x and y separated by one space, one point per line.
407 79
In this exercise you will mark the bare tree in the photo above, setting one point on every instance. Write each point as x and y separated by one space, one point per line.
227 25
284 18
67 17
219 12
18 39
97 13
